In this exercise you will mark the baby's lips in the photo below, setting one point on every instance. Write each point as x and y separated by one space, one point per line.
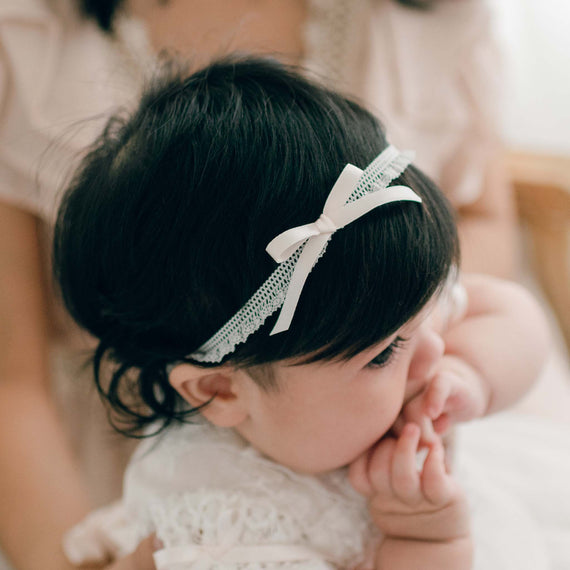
427 432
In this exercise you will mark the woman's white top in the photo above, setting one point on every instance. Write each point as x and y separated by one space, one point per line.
431 75
60 78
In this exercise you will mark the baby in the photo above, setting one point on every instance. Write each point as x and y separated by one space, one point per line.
292 391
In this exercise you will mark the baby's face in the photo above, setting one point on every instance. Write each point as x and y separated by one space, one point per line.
325 414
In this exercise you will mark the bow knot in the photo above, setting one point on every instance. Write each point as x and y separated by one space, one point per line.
325 225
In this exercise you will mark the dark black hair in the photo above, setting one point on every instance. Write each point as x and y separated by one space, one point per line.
161 236
102 11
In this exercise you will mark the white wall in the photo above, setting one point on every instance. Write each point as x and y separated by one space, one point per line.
537 38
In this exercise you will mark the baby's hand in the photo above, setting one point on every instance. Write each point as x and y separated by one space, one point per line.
456 393
407 503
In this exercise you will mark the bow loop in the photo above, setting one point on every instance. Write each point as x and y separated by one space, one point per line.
286 243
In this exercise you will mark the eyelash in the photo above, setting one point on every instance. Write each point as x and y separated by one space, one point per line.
387 355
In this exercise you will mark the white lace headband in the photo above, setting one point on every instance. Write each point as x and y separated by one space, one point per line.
355 193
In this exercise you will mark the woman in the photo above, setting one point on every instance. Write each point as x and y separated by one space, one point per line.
59 68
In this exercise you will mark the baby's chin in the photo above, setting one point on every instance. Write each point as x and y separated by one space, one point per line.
313 466
323 466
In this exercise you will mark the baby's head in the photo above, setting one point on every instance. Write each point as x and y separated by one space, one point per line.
161 239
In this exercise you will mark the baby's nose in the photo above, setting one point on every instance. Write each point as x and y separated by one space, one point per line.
428 354
436 345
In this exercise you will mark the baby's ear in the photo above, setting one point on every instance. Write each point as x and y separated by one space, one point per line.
217 389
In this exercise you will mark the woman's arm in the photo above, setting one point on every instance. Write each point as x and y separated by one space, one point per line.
41 495
488 227
402 554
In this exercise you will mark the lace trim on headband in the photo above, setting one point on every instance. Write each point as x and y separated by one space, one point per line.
272 293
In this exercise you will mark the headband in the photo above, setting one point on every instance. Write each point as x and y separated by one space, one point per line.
298 249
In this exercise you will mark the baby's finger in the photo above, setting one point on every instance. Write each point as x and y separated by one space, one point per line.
442 424
436 395
428 434
358 474
379 466
435 482
405 478
414 413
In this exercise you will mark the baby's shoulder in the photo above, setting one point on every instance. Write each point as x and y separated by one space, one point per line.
194 457
189 457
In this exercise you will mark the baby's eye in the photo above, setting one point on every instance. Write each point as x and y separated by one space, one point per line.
386 356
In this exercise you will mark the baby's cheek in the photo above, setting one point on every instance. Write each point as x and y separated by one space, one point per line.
414 386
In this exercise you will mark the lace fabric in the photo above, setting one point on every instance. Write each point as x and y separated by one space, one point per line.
205 490
221 523
208 492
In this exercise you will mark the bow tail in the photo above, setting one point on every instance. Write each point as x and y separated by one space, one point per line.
309 256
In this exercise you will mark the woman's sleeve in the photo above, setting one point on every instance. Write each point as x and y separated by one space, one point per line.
17 185
58 83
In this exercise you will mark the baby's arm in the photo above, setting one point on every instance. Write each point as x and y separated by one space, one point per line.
422 515
504 338
492 357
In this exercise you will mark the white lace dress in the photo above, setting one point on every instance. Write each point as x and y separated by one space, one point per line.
216 503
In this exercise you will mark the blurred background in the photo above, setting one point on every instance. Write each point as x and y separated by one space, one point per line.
537 48
535 126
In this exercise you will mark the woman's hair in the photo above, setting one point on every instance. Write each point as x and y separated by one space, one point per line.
161 236
102 11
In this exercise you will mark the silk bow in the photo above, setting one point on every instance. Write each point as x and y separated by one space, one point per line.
337 213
